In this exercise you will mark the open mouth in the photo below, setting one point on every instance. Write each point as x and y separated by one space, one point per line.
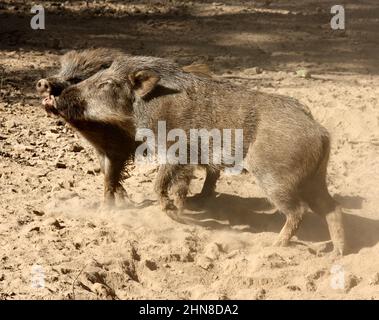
50 104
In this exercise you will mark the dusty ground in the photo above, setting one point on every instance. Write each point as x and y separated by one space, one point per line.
50 231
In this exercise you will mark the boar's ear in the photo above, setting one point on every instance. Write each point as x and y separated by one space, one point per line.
143 82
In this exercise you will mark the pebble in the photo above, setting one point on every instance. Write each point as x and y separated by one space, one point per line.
38 212
52 222
65 270
103 291
32 228
151 265
374 281
304 73
76 148
204 263
254 70
60 165
212 251
351 281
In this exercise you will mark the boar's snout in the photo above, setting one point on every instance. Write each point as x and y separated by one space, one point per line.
43 87
51 86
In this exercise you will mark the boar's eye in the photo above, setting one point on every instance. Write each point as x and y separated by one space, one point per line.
104 83
105 65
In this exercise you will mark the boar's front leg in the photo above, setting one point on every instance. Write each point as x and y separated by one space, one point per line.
212 175
112 168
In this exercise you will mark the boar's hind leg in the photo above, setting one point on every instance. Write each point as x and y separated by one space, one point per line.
284 195
320 201
176 177
162 185
291 206
315 193
180 188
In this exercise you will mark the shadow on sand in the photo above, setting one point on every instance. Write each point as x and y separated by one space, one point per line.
257 215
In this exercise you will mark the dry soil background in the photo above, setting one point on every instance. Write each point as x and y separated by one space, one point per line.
50 186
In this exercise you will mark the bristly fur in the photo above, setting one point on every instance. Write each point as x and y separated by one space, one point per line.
80 65
74 107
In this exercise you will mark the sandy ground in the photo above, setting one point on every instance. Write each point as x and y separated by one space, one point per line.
54 244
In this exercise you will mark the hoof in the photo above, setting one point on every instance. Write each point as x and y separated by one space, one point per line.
281 243
165 204
173 214
338 252
106 207
205 194
103 209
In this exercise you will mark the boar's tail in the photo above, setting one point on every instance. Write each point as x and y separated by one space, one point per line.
319 173
322 168
316 181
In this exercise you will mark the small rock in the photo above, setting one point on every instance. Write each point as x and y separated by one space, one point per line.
60 165
76 148
274 261
103 291
52 222
351 281
52 136
374 281
34 211
22 148
151 265
77 243
254 70
293 288
311 286
38 213
374 141
65 270
204 263
316 275
304 73
10 124
260 294
54 130
212 251
33 228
